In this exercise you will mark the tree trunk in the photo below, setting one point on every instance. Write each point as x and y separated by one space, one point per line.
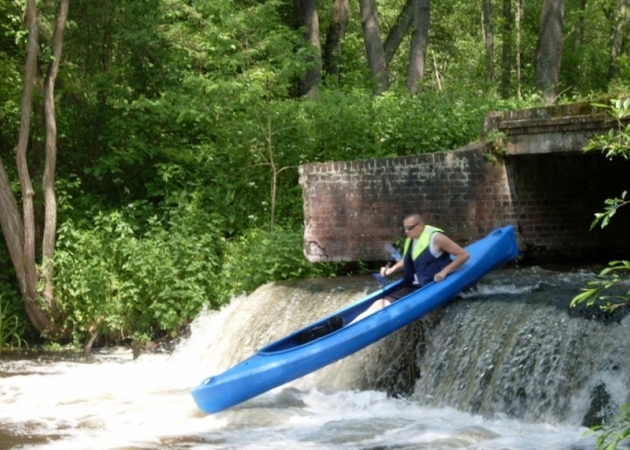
48 183
549 52
419 43
26 268
374 45
12 226
19 232
336 33
506 51
306 14
489 39
398 31
619 29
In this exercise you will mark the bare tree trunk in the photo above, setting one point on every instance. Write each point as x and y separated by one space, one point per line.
489 38
274 174
336 32
12 226
506 51
619 29
398 31
19 232
436 71
374 45
306 13
26 269
268 156
419 43
48 183
549 52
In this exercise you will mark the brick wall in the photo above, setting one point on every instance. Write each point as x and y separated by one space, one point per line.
353 208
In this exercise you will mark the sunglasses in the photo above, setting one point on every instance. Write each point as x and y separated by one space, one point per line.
411 227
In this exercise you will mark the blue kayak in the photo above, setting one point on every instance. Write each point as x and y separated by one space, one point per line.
292 357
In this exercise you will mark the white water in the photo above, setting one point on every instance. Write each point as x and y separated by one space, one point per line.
115 402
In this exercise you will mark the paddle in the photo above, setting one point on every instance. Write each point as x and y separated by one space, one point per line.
394 257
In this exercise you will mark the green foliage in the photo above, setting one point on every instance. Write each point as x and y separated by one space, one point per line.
616 433
615 143
587 32
12 305
432 122
334 127
124 283
497 141
11 60
258 257
610 208
9 328
620 86
609 278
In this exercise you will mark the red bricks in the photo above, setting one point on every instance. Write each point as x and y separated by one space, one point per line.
352 209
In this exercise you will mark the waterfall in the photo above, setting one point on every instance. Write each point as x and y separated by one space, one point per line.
528 360
510 348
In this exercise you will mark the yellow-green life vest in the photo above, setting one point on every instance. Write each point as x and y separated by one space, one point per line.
421 266
423 241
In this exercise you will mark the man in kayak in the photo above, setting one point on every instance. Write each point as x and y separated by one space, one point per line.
426 258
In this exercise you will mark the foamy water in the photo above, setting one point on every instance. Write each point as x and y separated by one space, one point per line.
125 404
114 402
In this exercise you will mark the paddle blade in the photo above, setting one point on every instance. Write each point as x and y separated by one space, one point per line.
393 252
380 278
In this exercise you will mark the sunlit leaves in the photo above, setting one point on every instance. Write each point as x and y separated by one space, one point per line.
599 290
611 207
617 141
614 143
616 434
259 256
127 278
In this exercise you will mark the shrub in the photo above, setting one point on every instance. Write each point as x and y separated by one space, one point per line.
259 257
123 284
9 328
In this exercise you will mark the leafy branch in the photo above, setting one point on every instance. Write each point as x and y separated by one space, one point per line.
615 433
597 291
617 141
612 205
614 143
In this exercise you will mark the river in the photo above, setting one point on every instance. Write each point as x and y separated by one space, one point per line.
508 367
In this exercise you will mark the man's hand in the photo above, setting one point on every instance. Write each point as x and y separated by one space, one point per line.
439 276
389 270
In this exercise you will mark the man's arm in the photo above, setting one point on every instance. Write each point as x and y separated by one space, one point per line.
445 244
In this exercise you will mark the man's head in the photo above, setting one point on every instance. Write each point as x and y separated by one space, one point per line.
413 225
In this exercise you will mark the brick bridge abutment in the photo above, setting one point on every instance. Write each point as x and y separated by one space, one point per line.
539 180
